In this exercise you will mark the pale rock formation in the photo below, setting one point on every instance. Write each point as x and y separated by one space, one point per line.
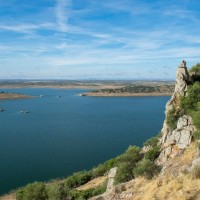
175 141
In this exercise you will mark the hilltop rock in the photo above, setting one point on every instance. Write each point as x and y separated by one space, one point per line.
182 80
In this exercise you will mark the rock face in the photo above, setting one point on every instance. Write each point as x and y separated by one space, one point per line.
110 190
182 80
175 141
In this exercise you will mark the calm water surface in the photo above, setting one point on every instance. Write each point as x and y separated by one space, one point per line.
63 135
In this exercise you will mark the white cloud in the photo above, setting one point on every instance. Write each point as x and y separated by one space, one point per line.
62 12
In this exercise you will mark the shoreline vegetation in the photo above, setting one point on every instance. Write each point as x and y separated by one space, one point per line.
125 94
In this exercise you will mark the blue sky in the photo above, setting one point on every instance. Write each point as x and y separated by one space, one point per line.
97 39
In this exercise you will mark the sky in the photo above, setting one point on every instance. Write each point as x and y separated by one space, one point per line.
97 39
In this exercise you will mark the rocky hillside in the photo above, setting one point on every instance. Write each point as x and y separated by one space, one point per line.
166 167
179 157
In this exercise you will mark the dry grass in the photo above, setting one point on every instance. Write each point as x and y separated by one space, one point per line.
8 197
166 188
174 184
178 164
93 183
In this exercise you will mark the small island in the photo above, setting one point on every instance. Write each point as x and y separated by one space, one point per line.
10 96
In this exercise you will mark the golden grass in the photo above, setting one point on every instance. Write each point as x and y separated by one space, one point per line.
8 197
166 188
174 184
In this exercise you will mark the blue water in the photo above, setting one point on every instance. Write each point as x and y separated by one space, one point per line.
63 135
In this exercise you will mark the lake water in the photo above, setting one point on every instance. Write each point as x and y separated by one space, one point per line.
63 135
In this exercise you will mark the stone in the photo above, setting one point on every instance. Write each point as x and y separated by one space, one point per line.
182 79
182 122
196 162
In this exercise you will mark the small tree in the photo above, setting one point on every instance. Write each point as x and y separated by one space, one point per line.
33 191
146 168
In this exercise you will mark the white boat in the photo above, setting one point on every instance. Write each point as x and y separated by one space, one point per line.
24 111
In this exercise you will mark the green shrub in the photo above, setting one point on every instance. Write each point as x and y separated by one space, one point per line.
153 141
100 189
146 168
56 191
190 102
86 194
33 191
196 118
78 179
172 118
196 172
196 135
102 169
196 69
132 154
124 172
153 153
126 162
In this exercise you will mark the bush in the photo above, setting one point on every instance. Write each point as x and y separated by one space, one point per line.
56 191
102 169
196 69
146 168
196 135
33 191
124 173
86 194
196 172
126 162
196 118
78 179
153 153
190 102
153 141
132 154
172 118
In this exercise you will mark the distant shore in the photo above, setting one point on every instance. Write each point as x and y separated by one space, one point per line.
92 87
124 94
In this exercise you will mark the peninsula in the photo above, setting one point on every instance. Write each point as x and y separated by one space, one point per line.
136 89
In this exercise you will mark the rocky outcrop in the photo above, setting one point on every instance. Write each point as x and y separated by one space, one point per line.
174 142
182 80
177 140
